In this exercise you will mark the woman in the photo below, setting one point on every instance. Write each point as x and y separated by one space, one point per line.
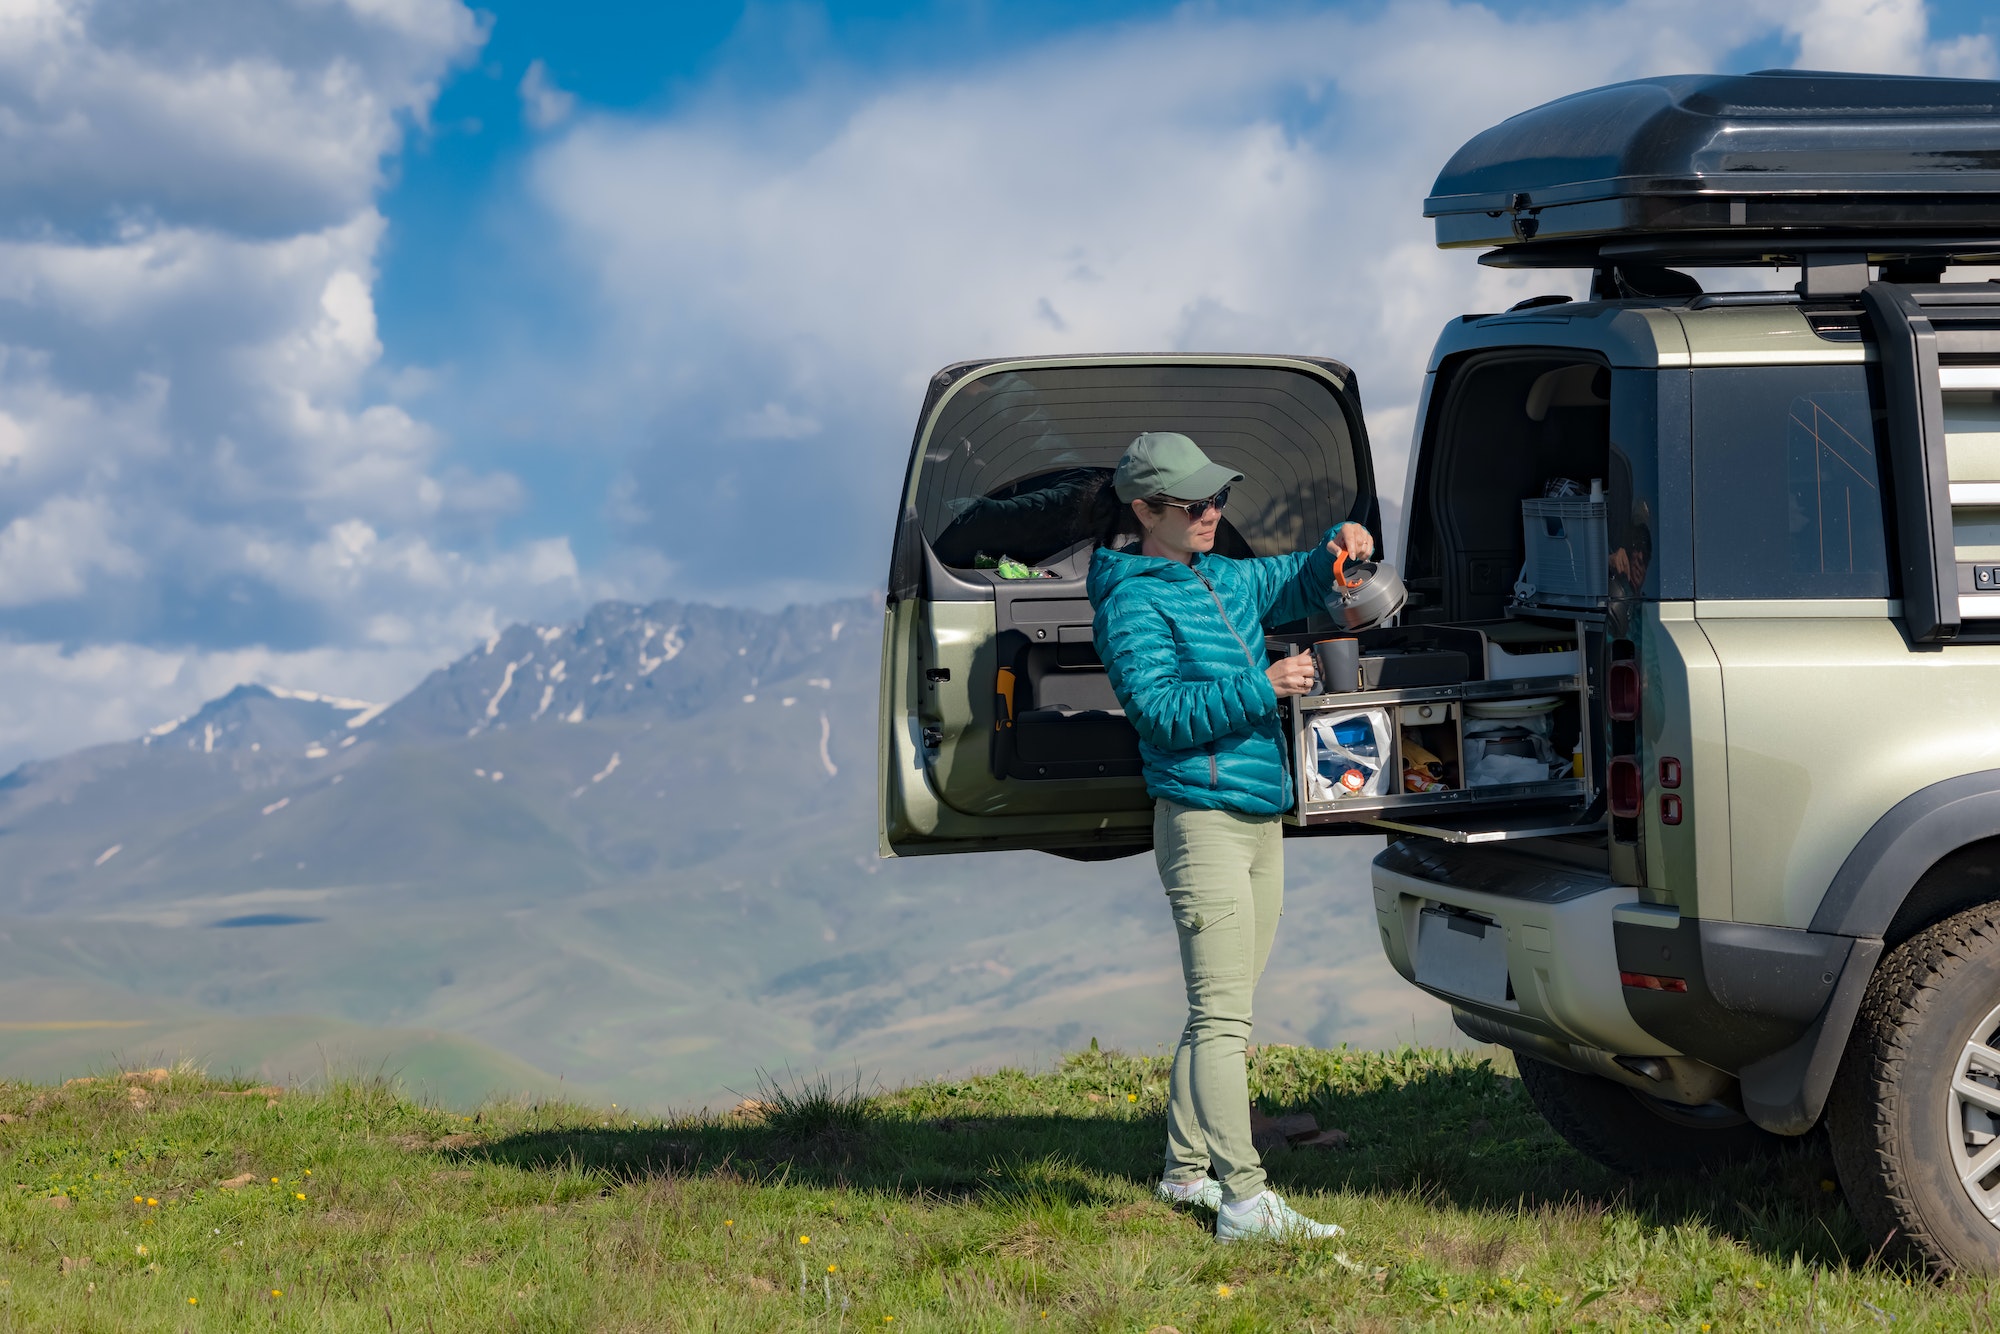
1181 633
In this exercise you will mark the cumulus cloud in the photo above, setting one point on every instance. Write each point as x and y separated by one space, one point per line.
1202 182
542 102
210 469
200 480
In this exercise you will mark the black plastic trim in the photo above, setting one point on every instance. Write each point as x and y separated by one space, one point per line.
1913 836
1908 343
1786 1091
1751 990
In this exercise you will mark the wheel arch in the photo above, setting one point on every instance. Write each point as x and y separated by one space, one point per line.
1919 863
1934 853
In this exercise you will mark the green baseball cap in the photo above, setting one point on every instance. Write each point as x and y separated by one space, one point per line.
1166 463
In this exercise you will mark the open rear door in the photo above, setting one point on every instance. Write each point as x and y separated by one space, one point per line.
998 725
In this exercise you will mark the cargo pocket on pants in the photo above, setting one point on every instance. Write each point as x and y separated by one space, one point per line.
1211 947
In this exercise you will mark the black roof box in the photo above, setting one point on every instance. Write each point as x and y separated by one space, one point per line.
1733 169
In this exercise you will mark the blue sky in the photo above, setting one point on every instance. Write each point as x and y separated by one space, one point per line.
335 334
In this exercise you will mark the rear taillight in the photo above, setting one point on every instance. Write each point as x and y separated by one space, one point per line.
1622 691
1625 794
1653 982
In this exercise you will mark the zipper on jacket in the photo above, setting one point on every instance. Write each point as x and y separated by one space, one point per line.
1241 643
1214 774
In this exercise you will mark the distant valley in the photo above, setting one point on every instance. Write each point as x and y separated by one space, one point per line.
633 855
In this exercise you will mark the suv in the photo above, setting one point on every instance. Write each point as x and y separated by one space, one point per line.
1758 889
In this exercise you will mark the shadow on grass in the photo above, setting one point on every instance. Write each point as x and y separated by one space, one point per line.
1456 1139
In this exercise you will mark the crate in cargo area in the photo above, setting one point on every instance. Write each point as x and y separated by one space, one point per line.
1568 553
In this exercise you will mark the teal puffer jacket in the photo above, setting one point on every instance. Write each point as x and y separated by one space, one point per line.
1184 647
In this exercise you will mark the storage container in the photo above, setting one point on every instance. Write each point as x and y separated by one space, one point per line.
1512 662
1568 554
1731 169
1410 758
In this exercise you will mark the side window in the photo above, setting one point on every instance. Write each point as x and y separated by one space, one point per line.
1788 483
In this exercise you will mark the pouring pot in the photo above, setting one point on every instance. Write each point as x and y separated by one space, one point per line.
1364 593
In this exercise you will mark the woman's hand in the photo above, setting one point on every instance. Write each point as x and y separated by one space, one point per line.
1293 675
1358 541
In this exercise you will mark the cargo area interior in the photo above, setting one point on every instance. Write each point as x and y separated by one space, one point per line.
1475 699
1473 709
1015 495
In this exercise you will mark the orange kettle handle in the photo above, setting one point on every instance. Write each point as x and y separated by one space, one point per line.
1339 570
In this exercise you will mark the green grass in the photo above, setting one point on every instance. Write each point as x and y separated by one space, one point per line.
1008 1201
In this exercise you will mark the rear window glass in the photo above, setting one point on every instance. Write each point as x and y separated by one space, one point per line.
1019 462
1788 484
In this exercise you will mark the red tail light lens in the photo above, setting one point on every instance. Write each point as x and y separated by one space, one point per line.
1653 982
1625 794
1622 690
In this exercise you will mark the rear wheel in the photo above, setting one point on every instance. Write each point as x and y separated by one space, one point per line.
1628 1132
1915 1112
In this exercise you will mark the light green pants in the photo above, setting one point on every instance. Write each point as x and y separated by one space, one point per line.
1225 879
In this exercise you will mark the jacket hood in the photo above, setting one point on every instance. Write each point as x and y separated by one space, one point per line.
1109 569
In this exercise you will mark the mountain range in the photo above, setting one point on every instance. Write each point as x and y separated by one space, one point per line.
634 854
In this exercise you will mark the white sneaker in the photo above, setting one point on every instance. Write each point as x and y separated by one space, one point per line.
1203 1194
1264 1215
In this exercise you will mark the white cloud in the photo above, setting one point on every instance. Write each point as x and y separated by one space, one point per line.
1201 182
544 104
52 552
199 480
1885 36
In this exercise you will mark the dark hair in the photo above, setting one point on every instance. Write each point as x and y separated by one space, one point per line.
1113 523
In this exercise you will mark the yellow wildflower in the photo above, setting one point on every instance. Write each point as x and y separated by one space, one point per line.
298 1195
804 1240
138 1199
833 1269
151 1202
1223 1290
1131 1097
191 1301
139 1249
276 1293
274 1181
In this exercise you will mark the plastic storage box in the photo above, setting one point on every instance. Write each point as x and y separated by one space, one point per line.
1731 169
1568 554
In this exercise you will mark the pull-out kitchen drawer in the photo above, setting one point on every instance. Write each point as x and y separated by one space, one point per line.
1473 750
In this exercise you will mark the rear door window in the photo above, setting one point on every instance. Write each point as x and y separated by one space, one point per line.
1789 484
1019 462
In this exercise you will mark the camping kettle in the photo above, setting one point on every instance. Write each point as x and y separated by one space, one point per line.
1365 593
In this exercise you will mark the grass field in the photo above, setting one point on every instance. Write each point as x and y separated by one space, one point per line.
166 1201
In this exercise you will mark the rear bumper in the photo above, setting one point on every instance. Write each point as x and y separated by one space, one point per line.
1552 925
1769 1005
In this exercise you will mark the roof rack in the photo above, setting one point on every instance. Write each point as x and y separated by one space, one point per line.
1782 167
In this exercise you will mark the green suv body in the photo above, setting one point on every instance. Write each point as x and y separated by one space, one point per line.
1769 898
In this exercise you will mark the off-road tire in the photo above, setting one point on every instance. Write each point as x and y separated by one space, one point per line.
1635 1135
1891 1108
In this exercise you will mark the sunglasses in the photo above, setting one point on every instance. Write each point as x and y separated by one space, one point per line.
1195 508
